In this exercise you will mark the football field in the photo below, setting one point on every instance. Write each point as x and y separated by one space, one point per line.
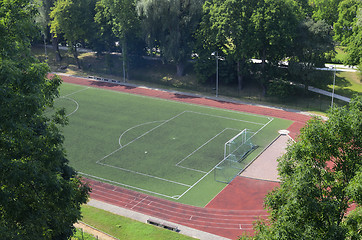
160 147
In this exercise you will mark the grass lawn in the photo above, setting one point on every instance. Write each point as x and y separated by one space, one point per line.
80 235
124 228
341 54
347 84
164 148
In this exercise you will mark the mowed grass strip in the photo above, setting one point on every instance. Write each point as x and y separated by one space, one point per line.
124 228
165 148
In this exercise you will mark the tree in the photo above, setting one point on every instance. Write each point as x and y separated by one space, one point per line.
121 16
73 18
347 14
40 195
43 19
226 27
169 25
320 177
326 10
354 45
310 45
273 30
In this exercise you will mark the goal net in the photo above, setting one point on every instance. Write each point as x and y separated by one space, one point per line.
237 148
235 151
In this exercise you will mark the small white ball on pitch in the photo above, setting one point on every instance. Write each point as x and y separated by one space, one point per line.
146 152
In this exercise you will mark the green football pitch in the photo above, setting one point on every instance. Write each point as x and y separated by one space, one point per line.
160 147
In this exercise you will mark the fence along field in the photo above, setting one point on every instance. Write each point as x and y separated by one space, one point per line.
164 148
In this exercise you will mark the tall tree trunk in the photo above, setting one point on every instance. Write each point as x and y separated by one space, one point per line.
55 45
124 59
240 74
263 56
75 54
180 69
263 71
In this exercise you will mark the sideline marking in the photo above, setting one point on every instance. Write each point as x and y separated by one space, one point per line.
125 185
197 149
166 121
81 90
144 174
219 163
167 180
202 106
233 119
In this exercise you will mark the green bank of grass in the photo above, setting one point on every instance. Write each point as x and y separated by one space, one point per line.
124 228
80 235
347 84
341 54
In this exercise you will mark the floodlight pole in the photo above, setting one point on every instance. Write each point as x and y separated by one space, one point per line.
334 82
217 72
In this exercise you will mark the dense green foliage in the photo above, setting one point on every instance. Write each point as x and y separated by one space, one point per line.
74 19
239 30
348 29
40 195
321 178
169 25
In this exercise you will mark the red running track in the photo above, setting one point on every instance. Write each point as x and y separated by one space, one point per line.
230 213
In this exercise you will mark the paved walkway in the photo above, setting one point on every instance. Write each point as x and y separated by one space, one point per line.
265 166
143 218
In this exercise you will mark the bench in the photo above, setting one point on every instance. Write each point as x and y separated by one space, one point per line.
163 225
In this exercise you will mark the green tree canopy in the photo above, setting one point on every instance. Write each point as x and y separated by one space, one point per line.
312 41
74 19
121 16
321 177
169 25
326 10
347 17
40 195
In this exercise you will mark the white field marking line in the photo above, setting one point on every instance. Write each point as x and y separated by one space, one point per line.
129 129
166 121
191 169
233 119
197 222
197 149
217 213
182 216
178 102
219 163
151 176
66 97
144 174
76 109
139 202
177 215
81 90
125 185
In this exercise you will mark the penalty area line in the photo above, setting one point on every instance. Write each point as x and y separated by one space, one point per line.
125 185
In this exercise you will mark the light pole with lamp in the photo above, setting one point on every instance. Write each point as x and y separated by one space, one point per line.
217 71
